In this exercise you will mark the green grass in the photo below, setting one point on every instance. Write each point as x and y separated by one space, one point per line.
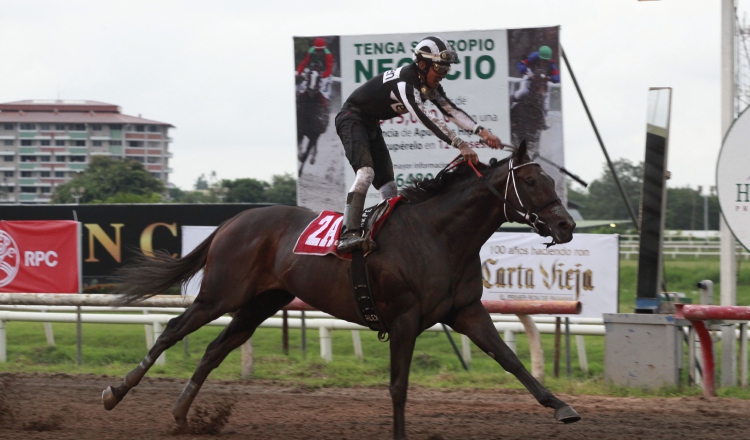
116 349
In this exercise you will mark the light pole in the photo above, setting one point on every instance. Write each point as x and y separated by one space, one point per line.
77 193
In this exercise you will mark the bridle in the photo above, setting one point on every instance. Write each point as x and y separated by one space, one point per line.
531 214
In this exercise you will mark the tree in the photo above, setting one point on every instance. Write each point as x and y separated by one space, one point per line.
112 180
283 190
245 190
685 210
604 201
201 182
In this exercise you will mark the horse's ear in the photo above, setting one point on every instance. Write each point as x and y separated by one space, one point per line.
521 151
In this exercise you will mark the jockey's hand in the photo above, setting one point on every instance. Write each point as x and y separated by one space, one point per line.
490 139
468 154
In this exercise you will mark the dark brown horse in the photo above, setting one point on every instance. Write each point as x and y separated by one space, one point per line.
426 272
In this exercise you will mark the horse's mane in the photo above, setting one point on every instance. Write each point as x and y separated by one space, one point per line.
420 190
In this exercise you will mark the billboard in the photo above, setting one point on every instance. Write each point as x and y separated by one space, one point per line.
518 266
500 82
111 233
40 257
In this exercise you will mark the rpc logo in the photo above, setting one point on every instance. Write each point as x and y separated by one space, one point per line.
10 259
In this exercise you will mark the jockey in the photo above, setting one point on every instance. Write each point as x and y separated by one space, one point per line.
541 58
390 94
317 58
320 59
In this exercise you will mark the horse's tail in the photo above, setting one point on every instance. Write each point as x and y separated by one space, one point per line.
145 276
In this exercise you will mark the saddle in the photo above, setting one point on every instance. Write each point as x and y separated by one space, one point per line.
321 238
322 234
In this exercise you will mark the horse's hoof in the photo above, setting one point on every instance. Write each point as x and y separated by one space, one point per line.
109 399
567 414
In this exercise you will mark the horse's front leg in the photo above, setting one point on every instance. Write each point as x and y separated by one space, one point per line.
475 322
403 333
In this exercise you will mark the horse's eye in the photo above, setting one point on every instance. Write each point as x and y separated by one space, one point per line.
531 182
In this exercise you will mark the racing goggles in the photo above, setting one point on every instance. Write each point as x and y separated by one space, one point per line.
441 69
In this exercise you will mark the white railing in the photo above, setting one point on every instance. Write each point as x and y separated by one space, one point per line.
34 308
675 246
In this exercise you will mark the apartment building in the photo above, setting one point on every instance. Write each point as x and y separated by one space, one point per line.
44 143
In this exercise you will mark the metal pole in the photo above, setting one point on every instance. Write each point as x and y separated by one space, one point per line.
692 368
455 348
728 260
705 217
624 195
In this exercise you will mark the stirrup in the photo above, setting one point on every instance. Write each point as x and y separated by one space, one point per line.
350 241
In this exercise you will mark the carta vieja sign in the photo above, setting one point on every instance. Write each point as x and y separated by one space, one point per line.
733 179
110 234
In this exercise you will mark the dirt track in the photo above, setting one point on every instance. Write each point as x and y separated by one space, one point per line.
69 407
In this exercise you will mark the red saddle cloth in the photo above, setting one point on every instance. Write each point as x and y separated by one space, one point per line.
321 236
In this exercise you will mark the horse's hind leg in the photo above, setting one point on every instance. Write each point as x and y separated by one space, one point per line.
475 322
243 325
196 316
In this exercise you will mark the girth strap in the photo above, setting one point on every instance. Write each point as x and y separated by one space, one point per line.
363 296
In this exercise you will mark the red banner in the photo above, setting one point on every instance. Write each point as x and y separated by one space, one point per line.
40 257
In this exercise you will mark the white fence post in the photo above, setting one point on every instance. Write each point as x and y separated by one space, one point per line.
326 347
3 345
510 339
149 333
248 359
48 332
357 341
466 349
583 360
162 359
535 346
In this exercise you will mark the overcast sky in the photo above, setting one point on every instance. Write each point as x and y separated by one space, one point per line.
222 71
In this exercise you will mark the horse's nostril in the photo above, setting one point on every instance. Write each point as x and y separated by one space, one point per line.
567 225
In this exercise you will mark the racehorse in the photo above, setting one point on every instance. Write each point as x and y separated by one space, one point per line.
528 115
313 116
427 271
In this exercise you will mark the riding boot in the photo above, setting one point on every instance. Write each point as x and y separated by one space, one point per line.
351 236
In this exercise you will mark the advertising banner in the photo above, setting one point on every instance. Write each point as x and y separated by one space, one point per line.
40 257
192 236
520 266
114 233
733 179
506 80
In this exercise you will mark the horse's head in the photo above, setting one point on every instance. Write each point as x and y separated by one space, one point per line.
531 198
313 82
539 79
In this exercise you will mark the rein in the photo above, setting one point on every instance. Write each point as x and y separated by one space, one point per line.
531 216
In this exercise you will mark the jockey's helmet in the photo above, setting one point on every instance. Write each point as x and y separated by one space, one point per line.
435 50
319 43
545 53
